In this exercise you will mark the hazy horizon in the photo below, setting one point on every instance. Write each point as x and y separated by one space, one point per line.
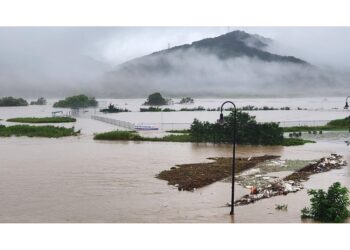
61 61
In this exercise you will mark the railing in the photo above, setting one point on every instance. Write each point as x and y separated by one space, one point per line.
115 122
303 123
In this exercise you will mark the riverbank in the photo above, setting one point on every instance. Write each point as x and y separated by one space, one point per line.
189 177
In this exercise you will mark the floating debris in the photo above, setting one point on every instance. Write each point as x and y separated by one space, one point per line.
281 207
273 186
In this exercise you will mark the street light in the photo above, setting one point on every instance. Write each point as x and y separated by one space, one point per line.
346 103
221 121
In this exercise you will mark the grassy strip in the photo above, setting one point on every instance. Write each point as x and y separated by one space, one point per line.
190 176
334 125
182 137
183 131
36 131
42 119
295 142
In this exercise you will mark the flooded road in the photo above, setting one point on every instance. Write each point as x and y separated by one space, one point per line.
77 179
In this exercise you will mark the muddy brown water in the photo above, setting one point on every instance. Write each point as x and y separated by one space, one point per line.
77 179
81 180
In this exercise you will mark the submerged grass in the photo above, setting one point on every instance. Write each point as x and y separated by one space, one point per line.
42 119
295 142
36 131
118 135
334 125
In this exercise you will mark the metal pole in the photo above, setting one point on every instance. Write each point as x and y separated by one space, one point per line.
233 163
233 153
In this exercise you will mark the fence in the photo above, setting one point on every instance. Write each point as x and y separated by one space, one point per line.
115 122
303 123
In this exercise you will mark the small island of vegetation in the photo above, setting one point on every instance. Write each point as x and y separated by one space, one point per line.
36 131
249 132
40 101
186 100
112 109
77 101
10 101
156 99
58 119
334 125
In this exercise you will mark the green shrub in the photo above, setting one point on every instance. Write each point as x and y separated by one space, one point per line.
40 101
248 131
118 135
36 131
78 101
328 206
156 99
42 119
11 101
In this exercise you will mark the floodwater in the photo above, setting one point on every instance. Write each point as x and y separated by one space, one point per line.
77 179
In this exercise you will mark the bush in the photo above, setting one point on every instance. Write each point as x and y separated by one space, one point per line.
36 131
328 206
40 101
11 102
156 99
78 101
248 131
42 119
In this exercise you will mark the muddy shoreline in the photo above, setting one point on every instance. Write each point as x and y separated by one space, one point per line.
293 182
189 177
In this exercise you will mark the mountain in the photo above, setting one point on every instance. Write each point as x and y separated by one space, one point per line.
234 64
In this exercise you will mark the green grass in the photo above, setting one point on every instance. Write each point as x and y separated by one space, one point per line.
118 136
134 136
36 131
334 125
42 119
183 137
183 131
295 142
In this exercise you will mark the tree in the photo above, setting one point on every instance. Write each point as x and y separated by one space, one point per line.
328 206
156 99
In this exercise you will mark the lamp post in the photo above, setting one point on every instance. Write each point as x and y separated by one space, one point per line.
346 103
222 121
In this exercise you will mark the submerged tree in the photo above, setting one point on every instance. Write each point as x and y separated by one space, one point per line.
156 99
248 131
328 206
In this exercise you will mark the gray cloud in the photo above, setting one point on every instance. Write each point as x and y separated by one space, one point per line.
56 61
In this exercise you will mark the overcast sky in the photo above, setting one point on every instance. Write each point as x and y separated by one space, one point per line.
70 56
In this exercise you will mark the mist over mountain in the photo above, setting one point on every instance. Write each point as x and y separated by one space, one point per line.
233 64
199 61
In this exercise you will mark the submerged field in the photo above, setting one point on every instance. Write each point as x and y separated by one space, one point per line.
42 119
36 131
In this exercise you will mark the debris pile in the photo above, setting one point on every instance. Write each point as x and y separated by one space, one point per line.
273 186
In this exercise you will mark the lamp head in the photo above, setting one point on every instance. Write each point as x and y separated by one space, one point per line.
346 105
221 121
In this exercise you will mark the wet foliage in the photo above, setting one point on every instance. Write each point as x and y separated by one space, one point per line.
40 101
11 102
248 131
330 206
112 109
36 131
42 119
156 99
77 101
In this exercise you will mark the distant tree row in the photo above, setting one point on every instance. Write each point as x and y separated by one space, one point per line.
77 101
